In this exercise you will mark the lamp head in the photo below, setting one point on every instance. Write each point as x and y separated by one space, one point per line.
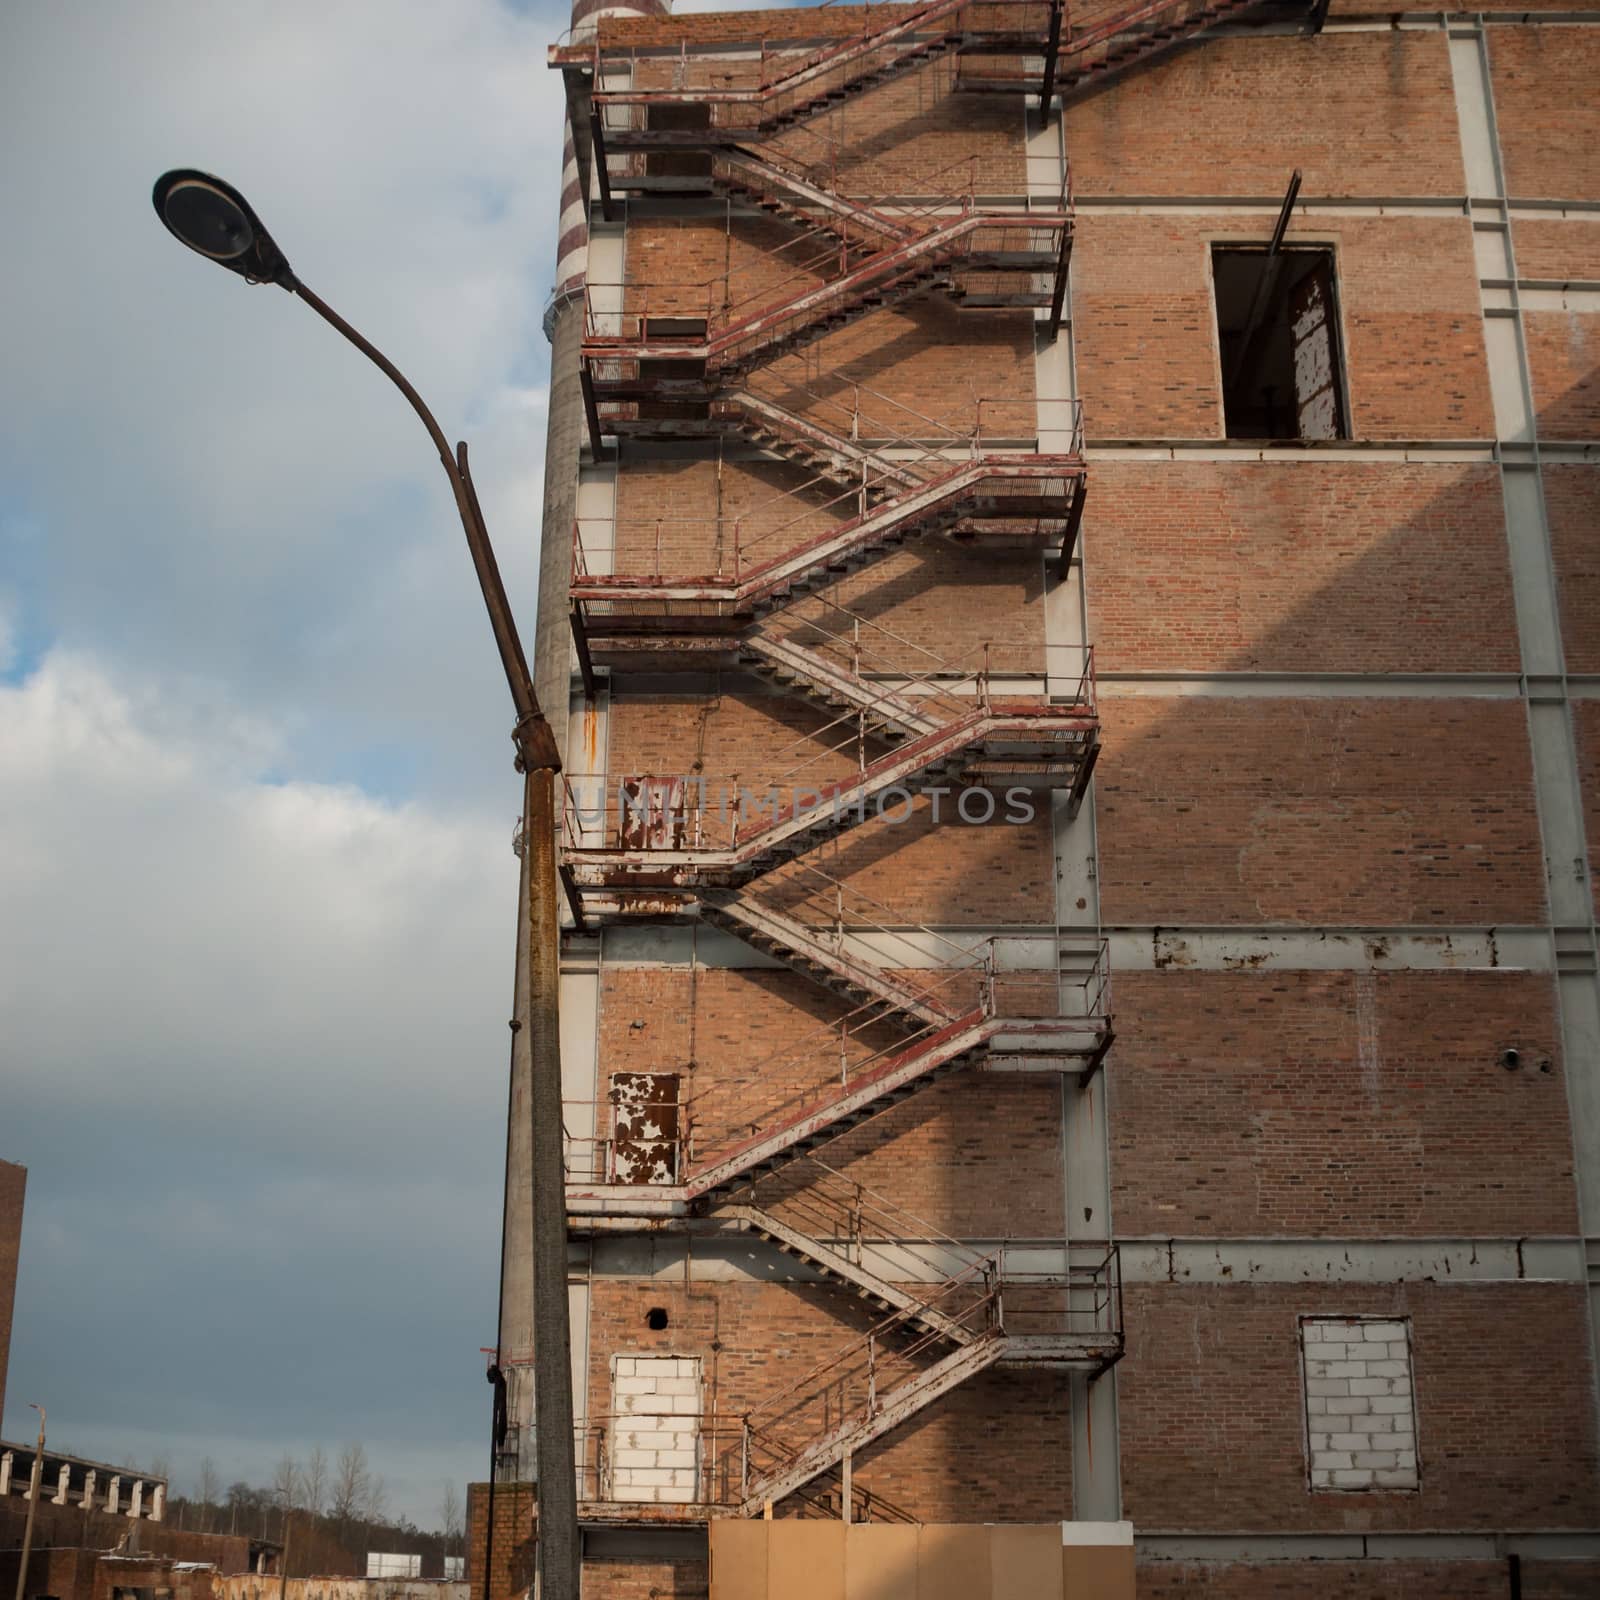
214 220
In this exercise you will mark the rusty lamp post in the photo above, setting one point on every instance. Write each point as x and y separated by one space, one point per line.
213 219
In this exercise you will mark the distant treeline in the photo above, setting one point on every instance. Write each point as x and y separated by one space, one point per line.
329 1512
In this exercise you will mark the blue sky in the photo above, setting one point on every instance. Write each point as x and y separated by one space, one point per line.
256 797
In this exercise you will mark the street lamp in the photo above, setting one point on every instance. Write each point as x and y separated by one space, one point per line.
35 1483
214 220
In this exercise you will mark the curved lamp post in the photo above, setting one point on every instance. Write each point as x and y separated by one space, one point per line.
214 220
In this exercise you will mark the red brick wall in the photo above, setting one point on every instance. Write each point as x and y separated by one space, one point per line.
1564 362
1145 324
13 1180
742 26
514 1555
752 1043
995 1450
1336 812
64 1574
1561 250
1572 503
1272 105
645 1578
995 872
1298 566
1284 1104
1545 109
933 605
1212 1414
1246 1103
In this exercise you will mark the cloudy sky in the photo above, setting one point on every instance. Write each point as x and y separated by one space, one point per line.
256 798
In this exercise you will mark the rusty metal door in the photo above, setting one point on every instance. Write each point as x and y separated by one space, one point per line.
644 1127
654 813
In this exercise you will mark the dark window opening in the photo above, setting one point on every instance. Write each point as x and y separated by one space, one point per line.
655 1318
1277 324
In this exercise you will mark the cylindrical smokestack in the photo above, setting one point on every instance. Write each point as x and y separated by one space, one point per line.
552 671
563 325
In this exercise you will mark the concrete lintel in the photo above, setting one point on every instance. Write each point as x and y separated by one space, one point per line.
1430 452
707 1250
1330 949
1443 1545
1242 1261
1373 205
1313 685
1132 948
1247 1547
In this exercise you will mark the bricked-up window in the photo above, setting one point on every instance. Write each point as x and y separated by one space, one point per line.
1361 1424
655 1438
1278 329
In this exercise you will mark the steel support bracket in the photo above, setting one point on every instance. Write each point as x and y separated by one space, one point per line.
569 886
580 643
1052 52
1058 292
602 168
591 411
1069 539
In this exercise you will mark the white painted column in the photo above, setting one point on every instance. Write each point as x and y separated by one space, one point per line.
1096 1446
158 1502
114 1496
88 1490
63 1480
5 1474
136 1499
1557 786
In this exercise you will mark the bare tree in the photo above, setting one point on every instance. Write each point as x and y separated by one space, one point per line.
286 1481
375 1502
314 1481
351 1485
450 1518
208 1486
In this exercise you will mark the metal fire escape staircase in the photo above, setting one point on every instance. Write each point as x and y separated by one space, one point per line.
665 123
945 1311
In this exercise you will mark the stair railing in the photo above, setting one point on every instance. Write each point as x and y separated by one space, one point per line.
856 1382
717 1121
865 1226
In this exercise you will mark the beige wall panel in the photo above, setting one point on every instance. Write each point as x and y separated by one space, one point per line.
953 1563
1098 1572
881 1562
805 1560
1025 1563
739 1560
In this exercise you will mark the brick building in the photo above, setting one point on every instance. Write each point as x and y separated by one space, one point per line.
1072 537
13 1183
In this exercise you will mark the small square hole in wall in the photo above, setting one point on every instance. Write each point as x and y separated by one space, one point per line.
1278 334
1361 1421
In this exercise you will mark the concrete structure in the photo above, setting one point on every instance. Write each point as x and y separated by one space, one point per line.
92 1486
1286 405
13 1184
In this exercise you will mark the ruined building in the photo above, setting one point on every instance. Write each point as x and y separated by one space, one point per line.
1071 538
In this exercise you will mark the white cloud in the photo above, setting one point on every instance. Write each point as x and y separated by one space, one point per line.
233 934
221 481
255 1037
